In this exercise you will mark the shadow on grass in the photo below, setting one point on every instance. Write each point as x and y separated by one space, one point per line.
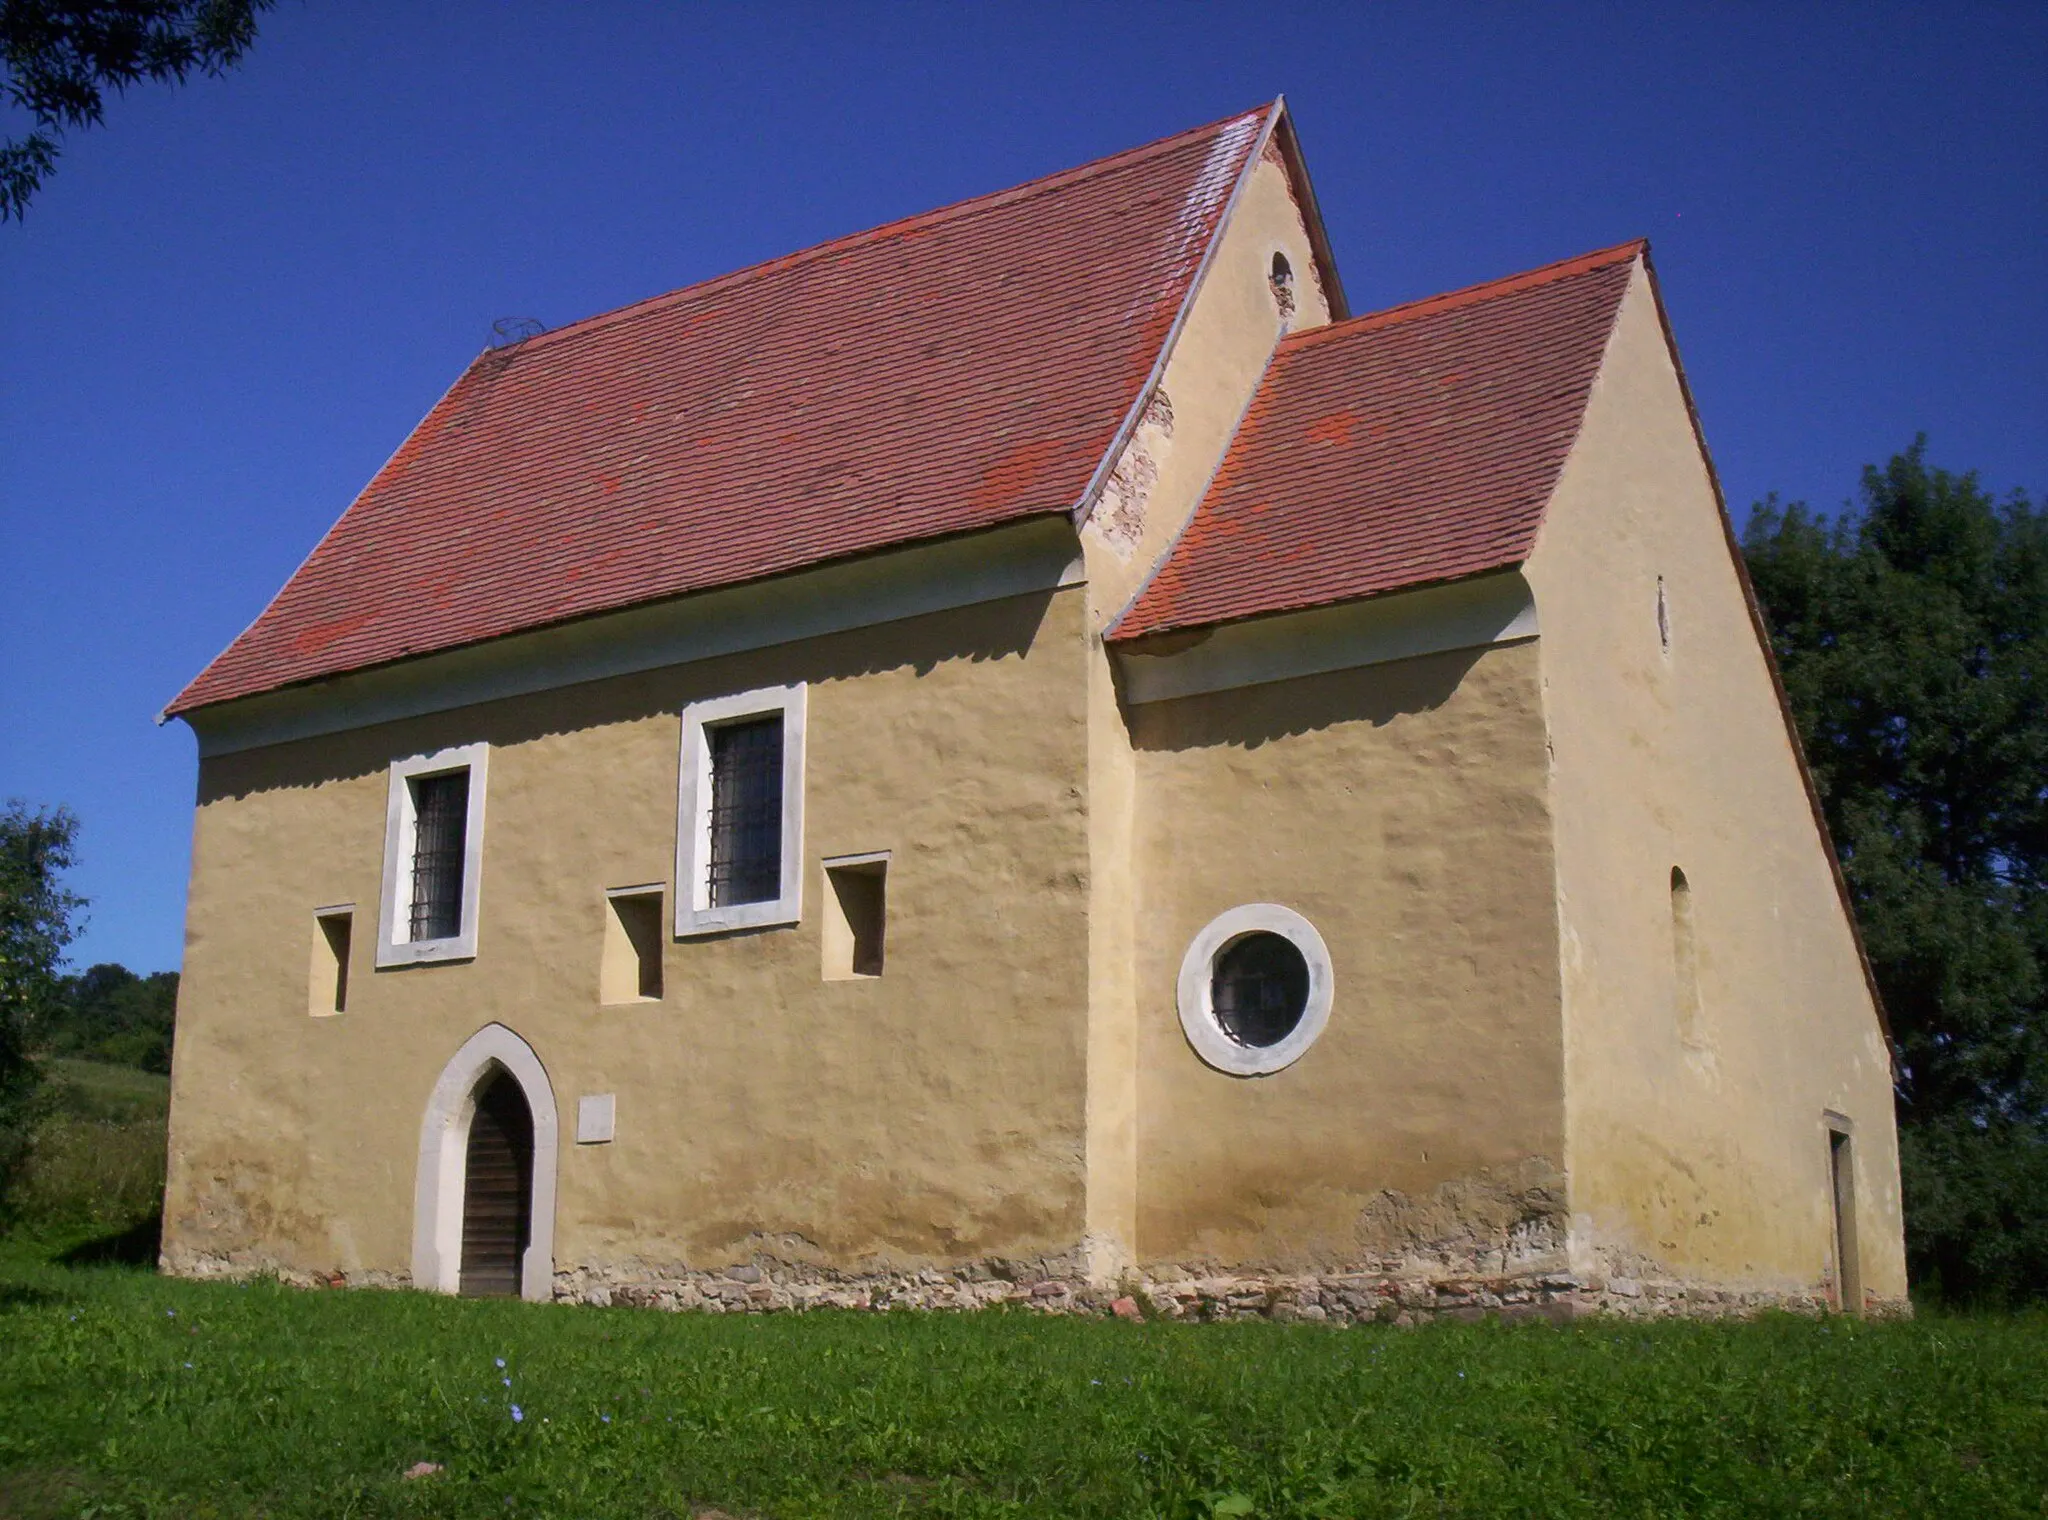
135 1246
20 1296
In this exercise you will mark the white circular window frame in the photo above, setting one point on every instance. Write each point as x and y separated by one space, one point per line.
1198 982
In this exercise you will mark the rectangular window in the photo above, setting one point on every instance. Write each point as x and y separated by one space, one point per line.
433 853
746 812
440 818
740 812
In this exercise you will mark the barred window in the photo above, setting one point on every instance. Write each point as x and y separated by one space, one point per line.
1260 990
746 812
1255 989
440 822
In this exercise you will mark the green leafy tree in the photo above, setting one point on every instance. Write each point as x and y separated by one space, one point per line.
36 915
58 58
108 1013
1912 630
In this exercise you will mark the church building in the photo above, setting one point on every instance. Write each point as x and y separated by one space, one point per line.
1032 755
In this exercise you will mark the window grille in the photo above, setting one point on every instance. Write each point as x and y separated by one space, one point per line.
440 824
1260 989
746 812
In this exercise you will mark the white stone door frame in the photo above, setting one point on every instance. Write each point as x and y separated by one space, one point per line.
444 1163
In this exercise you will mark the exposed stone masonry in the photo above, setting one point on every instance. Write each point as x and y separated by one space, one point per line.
1340 1298
1055 1286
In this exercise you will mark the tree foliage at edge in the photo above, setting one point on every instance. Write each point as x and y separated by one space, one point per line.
58 60
36 923
1912 630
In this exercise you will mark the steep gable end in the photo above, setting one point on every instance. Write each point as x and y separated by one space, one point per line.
935 376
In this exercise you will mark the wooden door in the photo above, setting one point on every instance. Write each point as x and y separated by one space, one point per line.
497 1194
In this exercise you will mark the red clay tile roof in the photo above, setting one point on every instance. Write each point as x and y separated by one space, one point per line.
933 376
1414 445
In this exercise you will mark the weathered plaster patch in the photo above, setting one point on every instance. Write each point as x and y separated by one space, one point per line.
1512 1219
1120 517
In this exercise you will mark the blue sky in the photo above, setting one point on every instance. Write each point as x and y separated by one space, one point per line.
232 302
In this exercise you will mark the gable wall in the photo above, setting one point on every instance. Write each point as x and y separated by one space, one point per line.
933 1115
1401 809
1705 1157
1214 366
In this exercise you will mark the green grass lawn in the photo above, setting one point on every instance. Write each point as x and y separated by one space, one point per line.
125 1394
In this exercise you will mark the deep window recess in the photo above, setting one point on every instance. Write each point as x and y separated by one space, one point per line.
1260 990
327 985
630 961
440 819
746 812
856 915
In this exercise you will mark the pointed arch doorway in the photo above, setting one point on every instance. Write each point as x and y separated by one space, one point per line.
484 1203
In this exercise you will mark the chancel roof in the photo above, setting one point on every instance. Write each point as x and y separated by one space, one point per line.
1402 448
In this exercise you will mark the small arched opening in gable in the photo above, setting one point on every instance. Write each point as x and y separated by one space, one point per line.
1281 278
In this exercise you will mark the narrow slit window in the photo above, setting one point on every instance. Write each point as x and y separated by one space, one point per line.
856 917
746 812
440 825
1685 958
631 966
327 985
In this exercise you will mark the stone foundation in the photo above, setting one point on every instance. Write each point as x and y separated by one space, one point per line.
1338 1298
1055 1285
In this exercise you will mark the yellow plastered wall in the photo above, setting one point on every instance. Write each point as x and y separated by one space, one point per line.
1707 1157
934 1114
1401 809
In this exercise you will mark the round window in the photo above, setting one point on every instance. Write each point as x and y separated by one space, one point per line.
1255 989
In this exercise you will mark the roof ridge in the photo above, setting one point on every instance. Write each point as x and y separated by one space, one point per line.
1471 295
988 200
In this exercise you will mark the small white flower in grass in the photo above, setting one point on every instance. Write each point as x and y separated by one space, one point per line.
188 1366
506 1381
606 1418
500 1361
518 1414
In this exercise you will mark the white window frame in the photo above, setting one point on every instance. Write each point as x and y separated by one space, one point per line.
1198 980
694 913
400 835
